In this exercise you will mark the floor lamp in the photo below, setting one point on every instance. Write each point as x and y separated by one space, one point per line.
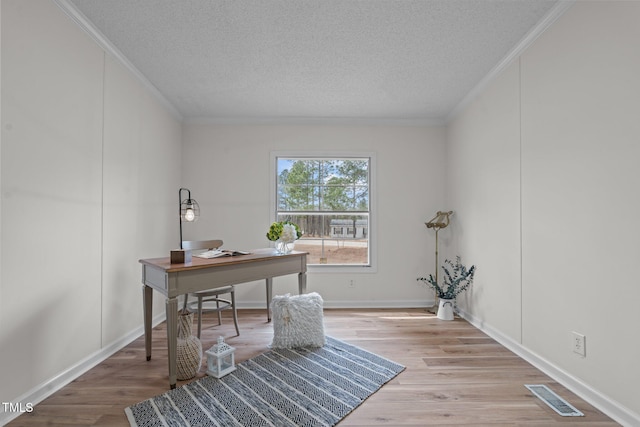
438 222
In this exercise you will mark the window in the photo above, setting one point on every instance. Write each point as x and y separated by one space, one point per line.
329 197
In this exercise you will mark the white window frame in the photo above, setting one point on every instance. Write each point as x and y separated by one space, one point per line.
373 211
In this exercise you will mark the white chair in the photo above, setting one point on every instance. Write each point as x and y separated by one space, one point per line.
205 299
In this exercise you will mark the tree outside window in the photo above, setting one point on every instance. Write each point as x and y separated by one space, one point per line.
329 199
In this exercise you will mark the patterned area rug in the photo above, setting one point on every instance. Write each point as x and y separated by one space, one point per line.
299 387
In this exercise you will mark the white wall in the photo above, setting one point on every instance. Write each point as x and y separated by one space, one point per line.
142 152
483 173
90 165
227 169
541 173
51 193
560 123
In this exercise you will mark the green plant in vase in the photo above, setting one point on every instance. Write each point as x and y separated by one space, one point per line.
284 233
457 279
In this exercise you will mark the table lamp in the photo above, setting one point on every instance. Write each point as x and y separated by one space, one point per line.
189 211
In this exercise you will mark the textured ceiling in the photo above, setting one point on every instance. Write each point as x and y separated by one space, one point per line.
315 59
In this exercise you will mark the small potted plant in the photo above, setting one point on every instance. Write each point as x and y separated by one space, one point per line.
284 233
457 279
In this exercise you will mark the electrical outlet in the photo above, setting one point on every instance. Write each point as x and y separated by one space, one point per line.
579 344
352 283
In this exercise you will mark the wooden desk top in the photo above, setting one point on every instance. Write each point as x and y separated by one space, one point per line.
164 263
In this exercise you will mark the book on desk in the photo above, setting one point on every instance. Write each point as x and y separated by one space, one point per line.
217 253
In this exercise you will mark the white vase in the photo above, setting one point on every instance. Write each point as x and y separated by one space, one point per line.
445 309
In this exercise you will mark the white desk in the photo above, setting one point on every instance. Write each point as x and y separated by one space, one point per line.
173 280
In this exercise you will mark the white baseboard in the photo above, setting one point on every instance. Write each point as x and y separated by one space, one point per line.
47 388
611 408
351 304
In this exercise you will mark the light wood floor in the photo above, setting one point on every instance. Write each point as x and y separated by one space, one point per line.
455 375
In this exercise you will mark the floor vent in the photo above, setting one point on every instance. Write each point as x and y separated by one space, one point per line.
554 401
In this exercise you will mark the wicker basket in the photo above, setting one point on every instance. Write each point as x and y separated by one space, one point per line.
189 349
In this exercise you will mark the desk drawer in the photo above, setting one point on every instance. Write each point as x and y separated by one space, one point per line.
183 282
155 278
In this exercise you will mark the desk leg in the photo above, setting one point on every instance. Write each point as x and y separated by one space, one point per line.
302 283
172 338
147 306
269 283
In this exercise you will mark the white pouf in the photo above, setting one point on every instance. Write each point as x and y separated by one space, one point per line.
297 321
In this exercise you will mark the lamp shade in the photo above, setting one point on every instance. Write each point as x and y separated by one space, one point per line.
189 210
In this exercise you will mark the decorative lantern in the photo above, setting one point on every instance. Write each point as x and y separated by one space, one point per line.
220 359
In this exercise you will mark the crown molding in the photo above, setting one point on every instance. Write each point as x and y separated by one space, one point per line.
85 24
556 11
104 43
329 121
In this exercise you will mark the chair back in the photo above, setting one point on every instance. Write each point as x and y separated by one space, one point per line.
201 244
